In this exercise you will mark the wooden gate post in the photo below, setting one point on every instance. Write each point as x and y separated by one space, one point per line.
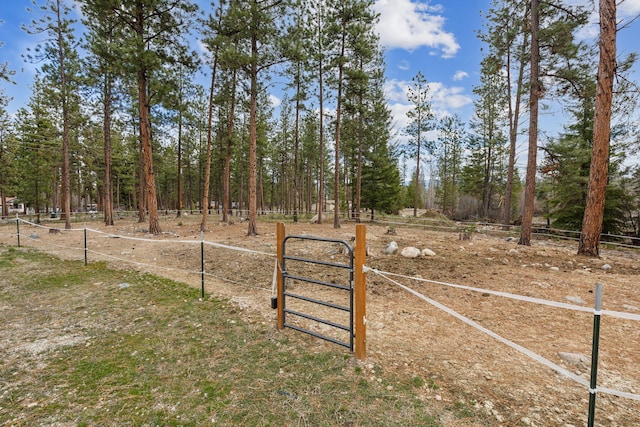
360 292
279 285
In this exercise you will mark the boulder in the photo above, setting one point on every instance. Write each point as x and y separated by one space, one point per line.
410 252
391 248
428 252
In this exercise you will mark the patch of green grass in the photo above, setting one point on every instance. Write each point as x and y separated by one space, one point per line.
463 409
88 351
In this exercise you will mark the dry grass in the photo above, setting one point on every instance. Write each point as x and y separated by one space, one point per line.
92 346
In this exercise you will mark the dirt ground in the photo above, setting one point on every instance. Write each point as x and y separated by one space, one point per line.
407 335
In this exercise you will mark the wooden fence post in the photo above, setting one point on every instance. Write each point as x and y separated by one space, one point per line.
360 292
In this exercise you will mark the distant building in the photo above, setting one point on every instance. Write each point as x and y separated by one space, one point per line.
14 205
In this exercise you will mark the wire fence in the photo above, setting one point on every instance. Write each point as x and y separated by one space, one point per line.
396 279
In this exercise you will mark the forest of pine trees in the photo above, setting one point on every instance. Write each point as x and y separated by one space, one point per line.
117 117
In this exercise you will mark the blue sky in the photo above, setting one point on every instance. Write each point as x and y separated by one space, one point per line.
436 37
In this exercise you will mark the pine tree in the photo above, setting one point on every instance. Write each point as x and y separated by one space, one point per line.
259 31
553 51
488 143
451 140
381 188
59 50
151 35
214 37
420 122
38 155
8 148
508 40
101 42
598 172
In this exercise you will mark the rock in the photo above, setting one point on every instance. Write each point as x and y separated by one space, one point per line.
34 236
630 307
606 267
428 252
575 359
576 300
512 239
391 248
124 285
314 219
554 269
410 252
513 252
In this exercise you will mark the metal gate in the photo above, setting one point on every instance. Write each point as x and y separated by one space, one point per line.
289 293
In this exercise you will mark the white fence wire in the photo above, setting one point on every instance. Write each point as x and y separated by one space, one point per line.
388 276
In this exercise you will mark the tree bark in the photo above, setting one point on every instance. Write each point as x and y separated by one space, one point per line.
295 149
108 190
145 135
594 209
226 197
530 187
336 181
180 107
207 169
145 140
66 181
252 229
320 206
207 174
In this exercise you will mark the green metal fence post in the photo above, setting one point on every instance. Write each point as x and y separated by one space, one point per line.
85 243
18 228
594 356
202 263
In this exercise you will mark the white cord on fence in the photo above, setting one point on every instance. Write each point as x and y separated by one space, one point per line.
47 227
555 304
503 340
219 245
142 263
141 239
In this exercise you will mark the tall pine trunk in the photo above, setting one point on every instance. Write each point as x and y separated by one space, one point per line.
320 202
336 180
147 152
108 190
226 197
252 228
594 209
179 207
207 172
66 181
530 187
514 117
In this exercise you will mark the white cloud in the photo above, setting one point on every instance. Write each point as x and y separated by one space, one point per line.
395 90
460 75
629 8
274 101
446 98
442 97
408 25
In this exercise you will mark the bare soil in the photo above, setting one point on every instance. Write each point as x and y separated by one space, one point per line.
405 334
